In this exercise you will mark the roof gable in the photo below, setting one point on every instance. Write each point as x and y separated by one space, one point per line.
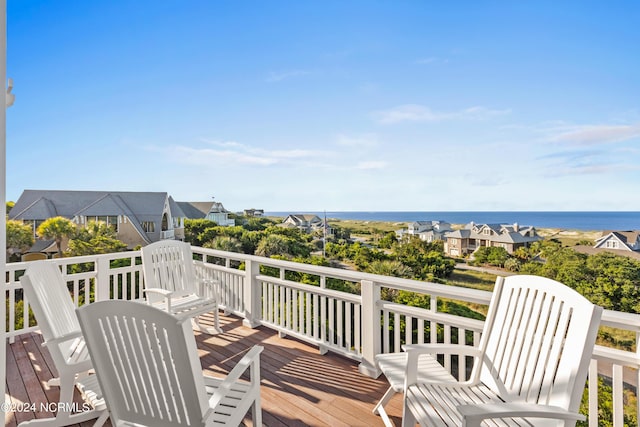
40 208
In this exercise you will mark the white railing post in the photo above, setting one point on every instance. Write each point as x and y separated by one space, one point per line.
371 328
102 279
3 194
252 295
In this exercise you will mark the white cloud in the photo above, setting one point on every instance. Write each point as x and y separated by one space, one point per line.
588 162
207 156
364 140
234 152
420 113
489 180
371 164
596 134
284 75
432 60
233 144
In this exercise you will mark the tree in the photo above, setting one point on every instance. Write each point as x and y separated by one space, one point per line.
194 227
19 237
225 243
57 228
273 244
497 256
96 238
388 240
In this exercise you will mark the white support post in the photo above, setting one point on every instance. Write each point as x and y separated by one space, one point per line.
593 393
252 295
371 328
102 279
3 198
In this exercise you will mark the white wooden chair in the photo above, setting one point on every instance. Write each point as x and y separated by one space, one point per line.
171 283
530 367
48 296
394 366
147 364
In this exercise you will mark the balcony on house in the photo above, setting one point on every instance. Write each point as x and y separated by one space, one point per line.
320 343
167 234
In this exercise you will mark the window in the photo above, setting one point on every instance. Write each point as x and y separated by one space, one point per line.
111 221
34 224
148 226
486 231
612 244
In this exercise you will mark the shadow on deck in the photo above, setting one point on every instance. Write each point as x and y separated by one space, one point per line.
300 387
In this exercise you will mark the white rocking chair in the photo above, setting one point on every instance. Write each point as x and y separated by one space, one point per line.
529 369
148 367
171 283
48 296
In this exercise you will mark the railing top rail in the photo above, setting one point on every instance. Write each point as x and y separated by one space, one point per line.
430 288
618 319
356 299
450 319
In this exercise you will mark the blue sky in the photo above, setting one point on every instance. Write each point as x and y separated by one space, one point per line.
330 105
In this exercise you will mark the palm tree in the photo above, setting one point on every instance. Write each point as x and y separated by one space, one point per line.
57 228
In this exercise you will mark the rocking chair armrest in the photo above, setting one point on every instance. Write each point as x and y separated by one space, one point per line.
474 414
460 349
62 338
165 293
415 350
252 357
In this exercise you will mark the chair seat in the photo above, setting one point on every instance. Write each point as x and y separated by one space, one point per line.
189 306
234 405
437 405
394 366
90 391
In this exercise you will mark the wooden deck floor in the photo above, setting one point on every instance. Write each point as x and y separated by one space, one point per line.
300 387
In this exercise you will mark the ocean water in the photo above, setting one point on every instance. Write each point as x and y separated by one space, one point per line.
584 220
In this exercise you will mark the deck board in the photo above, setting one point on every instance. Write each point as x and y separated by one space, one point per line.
300 387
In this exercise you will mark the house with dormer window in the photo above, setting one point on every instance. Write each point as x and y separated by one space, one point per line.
307 223
622 240
138 218
473 236
427 231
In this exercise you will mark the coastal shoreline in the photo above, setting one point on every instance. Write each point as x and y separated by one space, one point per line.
359 227
565 220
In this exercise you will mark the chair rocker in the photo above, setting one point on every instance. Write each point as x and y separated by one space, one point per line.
48 295
530 367
171 283
147 364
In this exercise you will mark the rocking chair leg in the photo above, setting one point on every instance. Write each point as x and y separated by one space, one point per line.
379 408
215 329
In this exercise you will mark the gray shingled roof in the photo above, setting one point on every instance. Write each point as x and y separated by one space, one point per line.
137 206
195 210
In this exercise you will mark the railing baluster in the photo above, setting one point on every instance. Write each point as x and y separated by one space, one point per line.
618 394
347 326
420 331
396 332
593 393
447 340
408 330
385 332
358 330
294 310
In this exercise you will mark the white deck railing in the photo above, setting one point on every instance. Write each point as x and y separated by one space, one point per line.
355 325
